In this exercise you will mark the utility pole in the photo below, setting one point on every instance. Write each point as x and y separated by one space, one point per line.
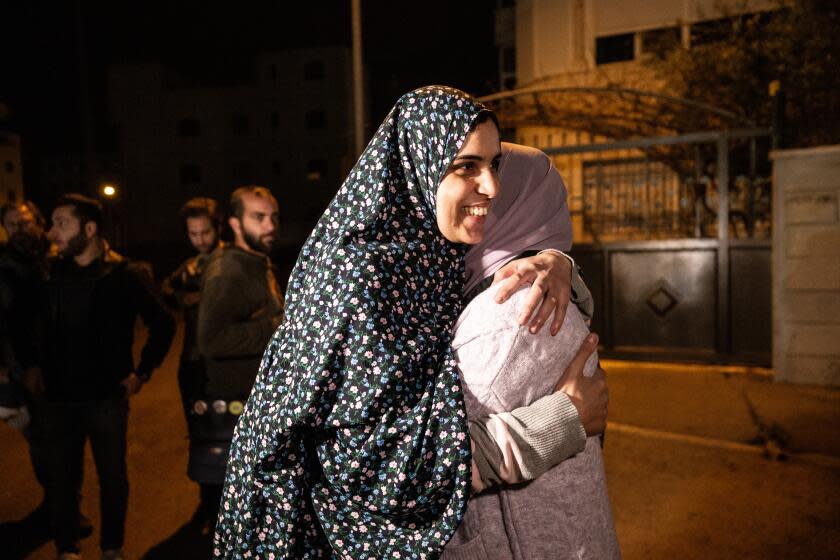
358 102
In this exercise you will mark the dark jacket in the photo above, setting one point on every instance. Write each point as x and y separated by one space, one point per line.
83 332
186 280
22 271
240 307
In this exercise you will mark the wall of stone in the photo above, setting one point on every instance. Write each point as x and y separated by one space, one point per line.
806 265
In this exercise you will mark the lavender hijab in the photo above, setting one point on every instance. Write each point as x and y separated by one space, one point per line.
531 192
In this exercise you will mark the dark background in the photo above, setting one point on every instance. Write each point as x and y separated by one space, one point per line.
405 45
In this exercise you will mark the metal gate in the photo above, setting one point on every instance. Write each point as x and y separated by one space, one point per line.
672 234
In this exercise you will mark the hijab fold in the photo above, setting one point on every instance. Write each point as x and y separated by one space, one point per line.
354 441
532 192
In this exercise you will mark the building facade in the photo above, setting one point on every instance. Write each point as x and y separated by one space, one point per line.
288 129
587 59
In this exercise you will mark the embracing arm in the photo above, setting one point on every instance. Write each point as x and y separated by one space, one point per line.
513 447
555 281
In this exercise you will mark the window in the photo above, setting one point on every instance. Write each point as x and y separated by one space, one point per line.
241 125
9 167
316 170
315 119
190 174
274 120
276 167
271 72
659 42
313 71
615 48
189 128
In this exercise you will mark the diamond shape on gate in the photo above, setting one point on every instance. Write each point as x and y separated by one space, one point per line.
661 301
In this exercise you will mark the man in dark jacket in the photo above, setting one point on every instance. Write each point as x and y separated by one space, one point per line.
81 360
182 290
241 306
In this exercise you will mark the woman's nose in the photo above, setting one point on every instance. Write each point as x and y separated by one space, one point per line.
489 184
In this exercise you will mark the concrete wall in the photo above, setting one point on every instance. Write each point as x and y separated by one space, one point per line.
806 265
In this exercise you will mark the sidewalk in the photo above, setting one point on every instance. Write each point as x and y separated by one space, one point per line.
733 404
710 462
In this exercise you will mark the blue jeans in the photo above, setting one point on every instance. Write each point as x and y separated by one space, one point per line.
69 425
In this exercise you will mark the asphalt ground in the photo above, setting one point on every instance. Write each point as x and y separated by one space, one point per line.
702 462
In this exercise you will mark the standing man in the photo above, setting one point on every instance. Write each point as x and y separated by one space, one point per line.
182 290
241 306
81 358
23 267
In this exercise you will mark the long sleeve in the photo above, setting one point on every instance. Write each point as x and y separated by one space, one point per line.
520 445
226 327
155 317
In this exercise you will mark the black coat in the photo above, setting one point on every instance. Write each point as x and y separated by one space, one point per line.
83 329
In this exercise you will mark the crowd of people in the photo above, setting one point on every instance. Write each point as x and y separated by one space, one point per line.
394 406
69 306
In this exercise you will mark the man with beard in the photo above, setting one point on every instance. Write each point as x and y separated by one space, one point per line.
182 290
23 268
80 354
241 306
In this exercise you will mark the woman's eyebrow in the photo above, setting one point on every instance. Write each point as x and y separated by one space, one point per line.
472 157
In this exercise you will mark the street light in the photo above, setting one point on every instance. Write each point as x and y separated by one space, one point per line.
109 190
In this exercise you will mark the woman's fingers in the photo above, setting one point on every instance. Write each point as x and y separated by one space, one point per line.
550 277
513 275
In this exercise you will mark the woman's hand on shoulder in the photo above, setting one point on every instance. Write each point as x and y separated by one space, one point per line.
550 276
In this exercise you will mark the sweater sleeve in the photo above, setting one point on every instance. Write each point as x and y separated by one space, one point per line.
517 446
225 329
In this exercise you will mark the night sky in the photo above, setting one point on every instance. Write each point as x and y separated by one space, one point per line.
406 44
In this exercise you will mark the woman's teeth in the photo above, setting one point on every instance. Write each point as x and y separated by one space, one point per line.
475 210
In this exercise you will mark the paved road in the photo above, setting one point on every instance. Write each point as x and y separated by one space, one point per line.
683 481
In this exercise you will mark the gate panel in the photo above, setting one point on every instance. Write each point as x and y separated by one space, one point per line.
750 310
664 299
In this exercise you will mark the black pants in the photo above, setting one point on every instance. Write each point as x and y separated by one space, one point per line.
69 425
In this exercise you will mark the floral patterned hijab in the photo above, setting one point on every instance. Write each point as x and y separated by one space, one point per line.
354 440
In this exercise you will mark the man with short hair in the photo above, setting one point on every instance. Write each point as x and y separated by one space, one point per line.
241 306
81 356
182 290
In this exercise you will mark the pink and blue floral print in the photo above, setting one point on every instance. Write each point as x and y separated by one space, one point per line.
354 441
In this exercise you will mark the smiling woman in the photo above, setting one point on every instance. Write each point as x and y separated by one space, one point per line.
354 440
470 184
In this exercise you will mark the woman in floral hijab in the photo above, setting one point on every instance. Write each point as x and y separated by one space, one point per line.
354 440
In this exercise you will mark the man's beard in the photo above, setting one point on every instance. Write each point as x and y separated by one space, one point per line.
75 246
255 244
